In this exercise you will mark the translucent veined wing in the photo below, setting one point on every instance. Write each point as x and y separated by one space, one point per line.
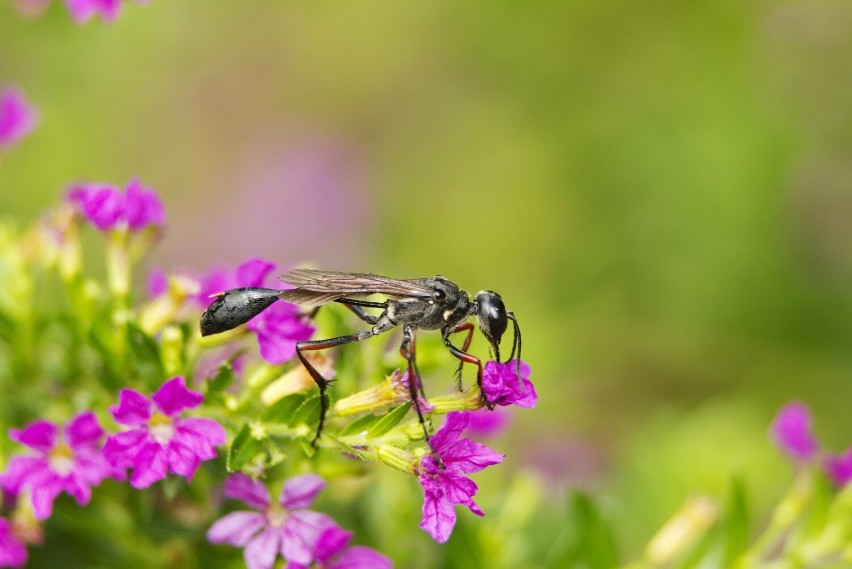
313 287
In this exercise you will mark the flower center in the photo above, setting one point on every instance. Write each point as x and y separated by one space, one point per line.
161 427
61 459
276 515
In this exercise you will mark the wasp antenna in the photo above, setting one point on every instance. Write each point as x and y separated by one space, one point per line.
516 343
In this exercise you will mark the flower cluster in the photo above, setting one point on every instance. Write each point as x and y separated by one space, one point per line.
792 432
108 208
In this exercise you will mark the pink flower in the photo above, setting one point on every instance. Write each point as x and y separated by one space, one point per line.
159 440
12 551
444 482
67 461
107 207
332 553
501 386
791 430
17 117
287 526
83 10
839 467
279 327
486 423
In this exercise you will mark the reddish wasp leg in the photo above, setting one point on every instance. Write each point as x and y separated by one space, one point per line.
466 327
471 359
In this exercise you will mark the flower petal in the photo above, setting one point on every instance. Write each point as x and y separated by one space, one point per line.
182 460
300 491
300 535
101 204
253 272
121 449
360 557
142 207
149 466
332 541
242 487
84 430
236 528
39 435
260 553
202 435
17 117
133 409
439 516
173 397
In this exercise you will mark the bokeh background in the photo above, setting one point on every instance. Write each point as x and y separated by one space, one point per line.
661 191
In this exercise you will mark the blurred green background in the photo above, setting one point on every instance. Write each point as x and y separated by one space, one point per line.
661 191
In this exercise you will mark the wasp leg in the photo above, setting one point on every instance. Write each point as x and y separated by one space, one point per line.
466 327
465 357
407 351
356 307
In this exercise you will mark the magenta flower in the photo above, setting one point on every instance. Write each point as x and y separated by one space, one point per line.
445 485
287 527
17 117
12 551
279 327
67 461
83 10
501 386
791 430
108 208
158 439
332 553
839 467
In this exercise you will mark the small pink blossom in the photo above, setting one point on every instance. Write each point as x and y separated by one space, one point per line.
17 117
108 208
286 527
159 440
791 430
839 467
501 386
67 461
444 481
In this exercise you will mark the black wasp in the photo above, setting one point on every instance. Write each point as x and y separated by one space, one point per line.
430 304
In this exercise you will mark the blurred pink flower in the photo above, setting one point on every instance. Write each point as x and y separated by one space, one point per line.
333 552
12 551
791 431
83 10
67 461
17 117
107 207
287 526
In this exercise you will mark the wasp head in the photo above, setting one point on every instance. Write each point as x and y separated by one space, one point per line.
492 317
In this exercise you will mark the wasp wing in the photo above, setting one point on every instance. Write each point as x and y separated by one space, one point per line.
313 287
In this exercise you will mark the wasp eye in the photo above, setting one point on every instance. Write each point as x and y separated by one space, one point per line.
438 295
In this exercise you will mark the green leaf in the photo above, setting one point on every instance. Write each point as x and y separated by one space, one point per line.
146 353
587 536
283 410
360 425
389 421
308 412
734 525
242 450
221 380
